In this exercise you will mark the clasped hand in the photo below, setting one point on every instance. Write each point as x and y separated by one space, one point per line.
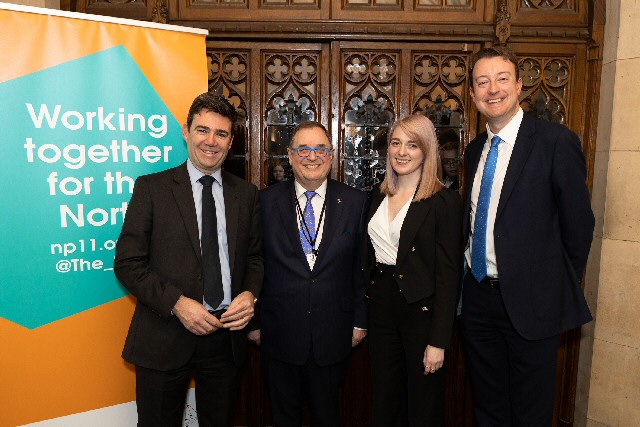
196 319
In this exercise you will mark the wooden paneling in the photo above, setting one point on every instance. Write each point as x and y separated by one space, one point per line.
358 65
549 12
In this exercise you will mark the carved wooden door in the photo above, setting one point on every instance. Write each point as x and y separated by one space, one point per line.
357 90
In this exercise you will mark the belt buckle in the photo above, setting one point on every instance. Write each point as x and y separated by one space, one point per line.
493 283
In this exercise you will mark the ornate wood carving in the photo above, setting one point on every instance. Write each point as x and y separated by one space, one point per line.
160 11
290 94
547 4
439 87
369 97
546 87
228 76
503 22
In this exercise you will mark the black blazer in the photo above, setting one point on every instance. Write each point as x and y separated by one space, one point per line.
158 259
543 228
303 310
428 262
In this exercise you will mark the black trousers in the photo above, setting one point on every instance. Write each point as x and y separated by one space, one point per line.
513 379
289 385
398 336
160 395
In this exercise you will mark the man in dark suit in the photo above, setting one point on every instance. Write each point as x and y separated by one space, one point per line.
313 308
528 225
190 251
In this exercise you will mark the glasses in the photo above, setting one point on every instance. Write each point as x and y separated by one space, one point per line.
450 162
305 152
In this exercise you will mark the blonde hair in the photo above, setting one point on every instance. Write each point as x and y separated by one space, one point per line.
421 131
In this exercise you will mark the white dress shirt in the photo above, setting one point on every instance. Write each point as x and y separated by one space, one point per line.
508 134
385 234
317 202
221 221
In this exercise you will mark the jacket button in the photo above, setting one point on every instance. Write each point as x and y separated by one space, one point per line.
372 282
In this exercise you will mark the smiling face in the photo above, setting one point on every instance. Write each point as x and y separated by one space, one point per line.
310 172
495 90
405 155
208 140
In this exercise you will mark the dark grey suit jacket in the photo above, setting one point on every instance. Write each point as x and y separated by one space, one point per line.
158 259
304 311
543 228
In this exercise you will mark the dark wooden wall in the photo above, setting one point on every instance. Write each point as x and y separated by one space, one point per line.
356 66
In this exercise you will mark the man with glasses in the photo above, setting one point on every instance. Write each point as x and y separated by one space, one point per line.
448 140
450 165
190 251
312 308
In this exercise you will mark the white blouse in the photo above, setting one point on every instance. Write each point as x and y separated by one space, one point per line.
385 234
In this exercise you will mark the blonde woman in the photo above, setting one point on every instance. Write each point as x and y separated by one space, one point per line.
412 259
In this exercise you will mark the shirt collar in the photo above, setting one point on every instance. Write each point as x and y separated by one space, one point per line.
320 191
509 133
195 174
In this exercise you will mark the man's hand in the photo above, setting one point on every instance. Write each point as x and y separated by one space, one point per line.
358 336
239 312
254 336
195 317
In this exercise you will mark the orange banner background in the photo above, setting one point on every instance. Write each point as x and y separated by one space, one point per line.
74 365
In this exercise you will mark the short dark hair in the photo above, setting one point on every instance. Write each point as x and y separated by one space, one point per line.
307 125
449 145
494 52
214 103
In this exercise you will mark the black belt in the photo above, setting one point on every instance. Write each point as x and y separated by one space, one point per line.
492 282
218 313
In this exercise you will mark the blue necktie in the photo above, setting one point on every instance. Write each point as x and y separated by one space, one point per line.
308 225
479 247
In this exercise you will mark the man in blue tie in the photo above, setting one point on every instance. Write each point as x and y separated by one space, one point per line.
528 225
312 308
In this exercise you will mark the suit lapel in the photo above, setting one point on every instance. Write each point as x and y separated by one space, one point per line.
183 194
231 209
333 212
414 218
472 159
521 150
286 207
376 200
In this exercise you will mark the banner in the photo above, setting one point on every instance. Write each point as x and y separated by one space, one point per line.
87 104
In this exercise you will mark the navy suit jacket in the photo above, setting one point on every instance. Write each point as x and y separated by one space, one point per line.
543 228
158 258
303 310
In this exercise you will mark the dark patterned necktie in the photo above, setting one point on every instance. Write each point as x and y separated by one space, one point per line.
213 292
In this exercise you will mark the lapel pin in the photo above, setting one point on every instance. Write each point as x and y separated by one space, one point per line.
339 200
